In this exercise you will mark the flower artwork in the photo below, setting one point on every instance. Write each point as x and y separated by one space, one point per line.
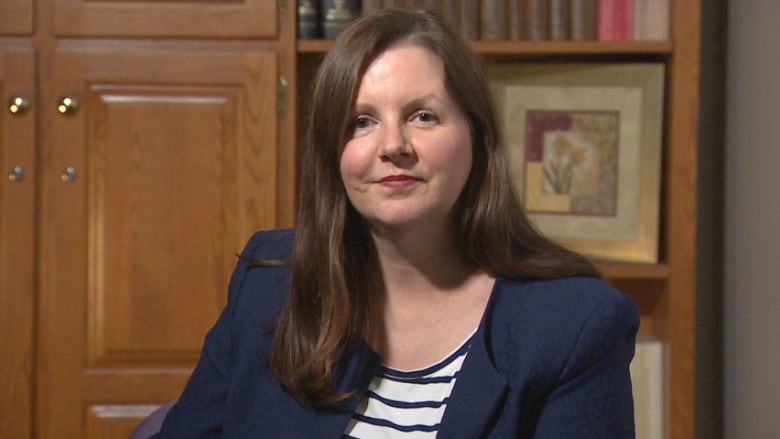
571 162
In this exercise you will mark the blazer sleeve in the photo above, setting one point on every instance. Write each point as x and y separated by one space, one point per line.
593 396
199 411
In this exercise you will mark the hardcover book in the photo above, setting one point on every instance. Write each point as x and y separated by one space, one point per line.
450 11
559 19
469 19
584 19
493 20
308 19
370 6
538 19
516 19
337 15
651 19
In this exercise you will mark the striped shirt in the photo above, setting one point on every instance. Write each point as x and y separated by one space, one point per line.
407 404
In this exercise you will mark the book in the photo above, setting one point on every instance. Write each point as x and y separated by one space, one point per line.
584 18
616 20
624 19
516 19
387 4
337 15
559 19
308 19
537 20
647 382
427 5
449 10
370 6
469 19
651 19
492 20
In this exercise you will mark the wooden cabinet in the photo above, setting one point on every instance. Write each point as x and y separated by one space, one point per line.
202 19
16 17
135 167
17 260
150 184
665 292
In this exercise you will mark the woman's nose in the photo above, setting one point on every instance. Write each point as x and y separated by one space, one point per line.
394 142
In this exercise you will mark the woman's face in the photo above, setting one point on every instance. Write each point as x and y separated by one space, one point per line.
409 153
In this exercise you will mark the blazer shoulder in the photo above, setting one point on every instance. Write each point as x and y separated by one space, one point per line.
258 285
270 244
542 325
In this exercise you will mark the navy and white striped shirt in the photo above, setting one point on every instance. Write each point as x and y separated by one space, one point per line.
407 404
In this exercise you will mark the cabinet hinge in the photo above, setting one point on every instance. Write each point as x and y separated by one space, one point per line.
281 103
282 5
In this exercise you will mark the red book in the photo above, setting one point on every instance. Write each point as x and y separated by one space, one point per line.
607 20
624 19
616 20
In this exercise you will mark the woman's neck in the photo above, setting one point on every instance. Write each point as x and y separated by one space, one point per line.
420 261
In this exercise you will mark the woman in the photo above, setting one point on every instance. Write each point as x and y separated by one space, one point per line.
414 299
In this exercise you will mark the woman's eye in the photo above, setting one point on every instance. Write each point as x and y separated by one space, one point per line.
425 116
361 122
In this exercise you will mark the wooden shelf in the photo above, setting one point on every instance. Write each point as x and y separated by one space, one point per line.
545 48
629 271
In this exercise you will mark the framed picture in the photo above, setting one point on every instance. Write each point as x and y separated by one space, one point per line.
584 142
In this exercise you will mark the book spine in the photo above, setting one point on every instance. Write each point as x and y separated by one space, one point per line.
397 4
559 19
651 20
624 19
492 20
516 19
584 18
370 6
425 5
607 30
450 11
538 20
469 19
337 15
308 19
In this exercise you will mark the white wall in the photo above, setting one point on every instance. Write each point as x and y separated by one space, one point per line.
752 222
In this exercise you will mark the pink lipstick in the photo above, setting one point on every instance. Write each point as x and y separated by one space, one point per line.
398 181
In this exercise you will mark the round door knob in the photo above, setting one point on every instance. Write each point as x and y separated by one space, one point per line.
16 175
18 105
67 105
68 174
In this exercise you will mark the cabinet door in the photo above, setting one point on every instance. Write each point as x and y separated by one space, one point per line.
16 17
153 176
149 18
17 196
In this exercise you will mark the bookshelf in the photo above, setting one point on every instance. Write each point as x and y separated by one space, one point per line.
665 292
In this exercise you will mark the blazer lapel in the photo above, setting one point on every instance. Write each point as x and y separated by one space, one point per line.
477 395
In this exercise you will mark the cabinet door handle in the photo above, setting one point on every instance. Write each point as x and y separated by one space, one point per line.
67 105
69 174
18 105
16 175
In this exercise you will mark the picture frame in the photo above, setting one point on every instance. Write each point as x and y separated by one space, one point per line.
584 143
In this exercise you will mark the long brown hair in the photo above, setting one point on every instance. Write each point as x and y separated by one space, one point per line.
334 263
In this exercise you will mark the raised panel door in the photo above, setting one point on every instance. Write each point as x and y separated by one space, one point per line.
17 198
149 18
16 17
153 176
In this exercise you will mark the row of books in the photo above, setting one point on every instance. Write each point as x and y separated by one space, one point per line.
495 20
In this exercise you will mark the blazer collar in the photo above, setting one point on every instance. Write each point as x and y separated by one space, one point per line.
479 390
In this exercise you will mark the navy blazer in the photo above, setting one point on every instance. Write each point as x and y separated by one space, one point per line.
549 360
